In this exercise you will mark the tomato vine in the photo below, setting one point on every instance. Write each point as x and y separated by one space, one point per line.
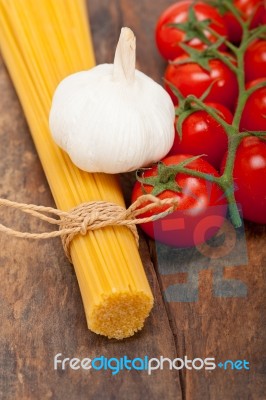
192 103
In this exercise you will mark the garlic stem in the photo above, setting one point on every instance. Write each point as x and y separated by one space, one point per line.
95 139
125 56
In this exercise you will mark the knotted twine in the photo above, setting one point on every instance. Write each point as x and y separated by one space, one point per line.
88 216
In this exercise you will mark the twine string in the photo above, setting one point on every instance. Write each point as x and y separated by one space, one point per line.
89 216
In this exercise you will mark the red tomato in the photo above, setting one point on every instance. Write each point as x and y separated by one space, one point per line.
263 18
201 206
253 116
168 38
191 78
247 8
201 134
255 61
249 176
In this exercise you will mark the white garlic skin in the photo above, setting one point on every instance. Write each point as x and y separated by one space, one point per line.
109 125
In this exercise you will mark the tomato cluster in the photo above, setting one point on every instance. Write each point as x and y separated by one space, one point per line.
201 26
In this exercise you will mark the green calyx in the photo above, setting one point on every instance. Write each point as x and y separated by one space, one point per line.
220 5
165 179
201 57
192 27
188 105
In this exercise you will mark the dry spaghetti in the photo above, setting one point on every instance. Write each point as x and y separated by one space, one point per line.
42 42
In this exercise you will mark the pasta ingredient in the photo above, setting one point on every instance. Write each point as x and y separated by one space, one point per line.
115 291
113 118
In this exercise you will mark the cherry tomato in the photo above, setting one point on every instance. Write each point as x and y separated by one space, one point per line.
255 61
263 18
191 78
249 176
201 206
201 134
253 116
168 38
247 8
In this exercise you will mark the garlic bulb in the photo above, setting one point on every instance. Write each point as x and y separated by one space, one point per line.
113 118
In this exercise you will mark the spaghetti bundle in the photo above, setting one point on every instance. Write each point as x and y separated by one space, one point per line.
42 42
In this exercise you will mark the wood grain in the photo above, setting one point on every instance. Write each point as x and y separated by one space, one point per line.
223 327
41 310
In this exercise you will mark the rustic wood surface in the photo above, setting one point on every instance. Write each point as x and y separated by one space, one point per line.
40 306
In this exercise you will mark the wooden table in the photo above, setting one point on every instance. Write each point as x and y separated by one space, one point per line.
41 310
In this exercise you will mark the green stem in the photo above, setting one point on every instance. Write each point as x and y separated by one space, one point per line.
259 134
210 111
255 87
228 44
233 143
225 60
242 97
174 89
233 211
225 183
246 41
230 7
198 174
226 180
243 92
